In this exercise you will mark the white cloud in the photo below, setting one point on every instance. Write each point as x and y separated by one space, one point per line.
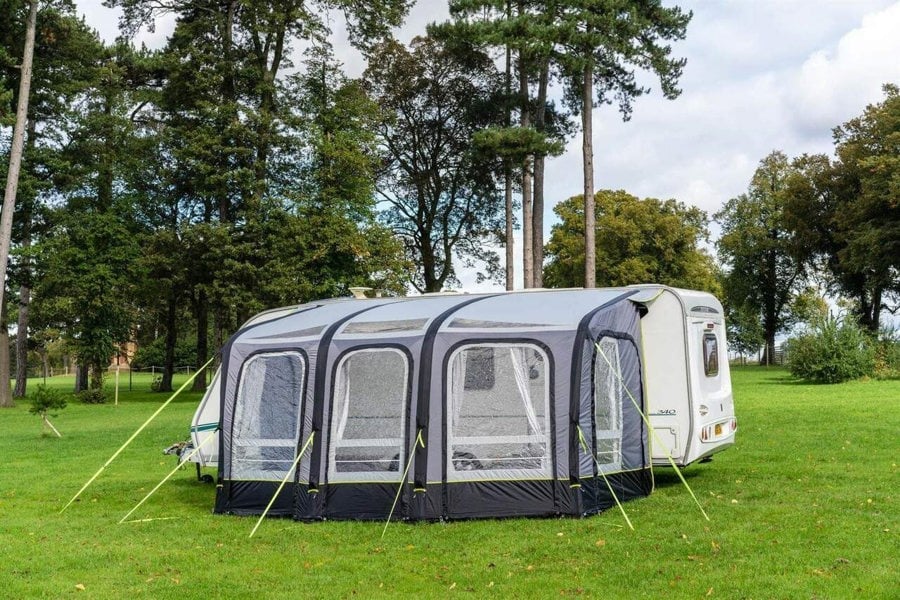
834 84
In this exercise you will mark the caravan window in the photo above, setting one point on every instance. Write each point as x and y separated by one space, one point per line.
609 394
498 412
710 354
265 416
369 404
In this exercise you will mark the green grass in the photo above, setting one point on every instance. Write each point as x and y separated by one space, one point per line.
803 506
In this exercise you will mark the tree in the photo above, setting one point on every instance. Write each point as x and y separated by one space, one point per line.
12 180
604 42
766 265
232 132
67 51
638 241
87 281
442 200
527 29
86 262
846 210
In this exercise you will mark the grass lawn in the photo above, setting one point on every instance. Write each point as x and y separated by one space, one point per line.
805 505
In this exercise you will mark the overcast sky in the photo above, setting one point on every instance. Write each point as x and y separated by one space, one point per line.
761 75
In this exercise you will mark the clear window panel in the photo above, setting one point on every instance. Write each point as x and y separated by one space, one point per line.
710 354
367 423
608 398
498 408
266 417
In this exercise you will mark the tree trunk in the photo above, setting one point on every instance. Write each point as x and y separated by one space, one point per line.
202 339
24 289
507 180
769 350
15 165
81 377
98 372
537 217
587 155
510 246
525 123
6 400
22 343
165 385
875 316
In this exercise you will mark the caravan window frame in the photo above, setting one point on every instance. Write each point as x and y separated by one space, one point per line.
393 475
236 471
548 437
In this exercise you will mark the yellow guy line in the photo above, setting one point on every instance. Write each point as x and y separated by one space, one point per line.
167 477
284 481
652 431
600 470
421 442
135 434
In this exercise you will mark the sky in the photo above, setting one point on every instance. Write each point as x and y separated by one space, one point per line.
761 75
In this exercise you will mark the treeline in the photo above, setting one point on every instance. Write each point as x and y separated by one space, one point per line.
168 195
171 194
813 226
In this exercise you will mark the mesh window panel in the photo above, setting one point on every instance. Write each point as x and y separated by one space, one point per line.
609 395
265 418
368 408
498 413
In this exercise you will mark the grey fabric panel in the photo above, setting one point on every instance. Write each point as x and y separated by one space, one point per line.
391 326
556 308
622 319
303 321
425 309
312 356
634 455
585 408
240 353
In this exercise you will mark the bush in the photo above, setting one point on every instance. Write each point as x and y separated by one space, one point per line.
831 351
95 396
887 354
46 401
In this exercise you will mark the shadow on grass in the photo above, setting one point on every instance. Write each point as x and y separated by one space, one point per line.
667 477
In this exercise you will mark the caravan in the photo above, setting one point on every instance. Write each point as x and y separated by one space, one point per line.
544 402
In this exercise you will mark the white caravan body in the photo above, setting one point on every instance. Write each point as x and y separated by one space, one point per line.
687 382
686 376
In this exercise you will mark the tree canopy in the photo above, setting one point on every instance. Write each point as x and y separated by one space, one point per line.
638 241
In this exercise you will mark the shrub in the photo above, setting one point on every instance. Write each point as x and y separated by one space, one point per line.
46 401
94 396
831 351
887 354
